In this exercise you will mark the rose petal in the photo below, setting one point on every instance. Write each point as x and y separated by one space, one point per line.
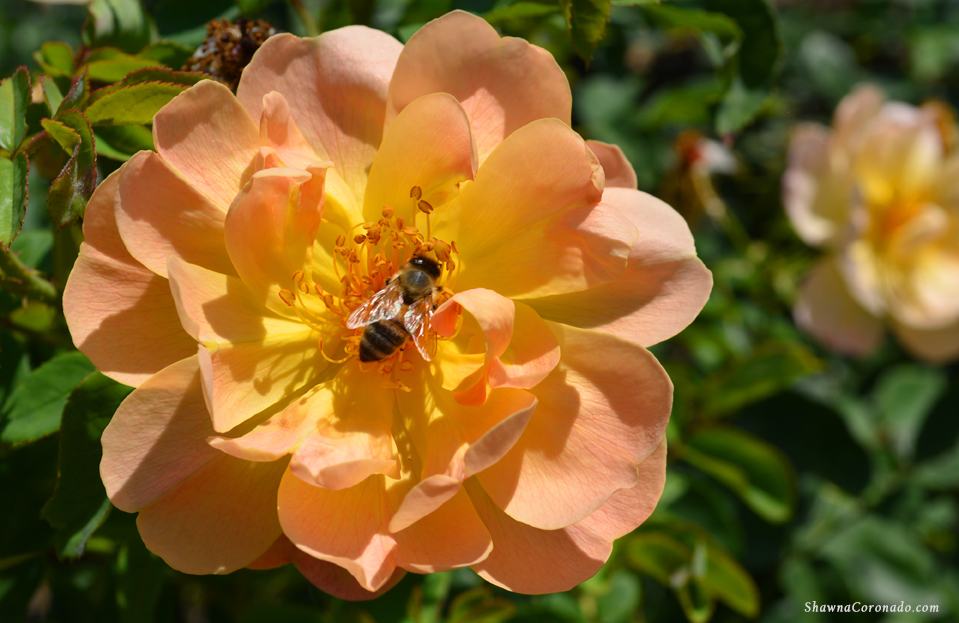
662 289
157 438
826 311
503 83
160 214
428 146
337 581
534 561
336 86
195 527
617 169
270 230
601 412
936 346
207 136
120 315
279 131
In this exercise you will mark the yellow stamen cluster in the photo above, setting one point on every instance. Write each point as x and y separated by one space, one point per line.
364 262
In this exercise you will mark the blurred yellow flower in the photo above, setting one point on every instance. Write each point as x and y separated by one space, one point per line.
879 193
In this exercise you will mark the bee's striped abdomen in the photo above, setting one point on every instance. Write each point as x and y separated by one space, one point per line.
381 339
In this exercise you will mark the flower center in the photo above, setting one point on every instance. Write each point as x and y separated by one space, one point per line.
387 254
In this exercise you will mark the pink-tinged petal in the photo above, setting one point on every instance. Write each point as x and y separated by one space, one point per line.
242 379
532 354
936 346
662 289
627 508
503 83
206 135
337 581
601 413
220 519
534 561
219 309
817 188
854 115
349 527
279 131
157 438
120 314
429 146
280 553
619 172
160 214
826 311
270 230
336 87
454 440
351 438
342 527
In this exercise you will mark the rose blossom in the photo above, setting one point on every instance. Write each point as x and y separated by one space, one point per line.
879 193
217 274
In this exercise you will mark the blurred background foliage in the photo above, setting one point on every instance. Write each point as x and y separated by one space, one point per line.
794 476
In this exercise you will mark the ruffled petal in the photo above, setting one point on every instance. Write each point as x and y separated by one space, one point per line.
817 187
532 205
453 440
601 413
534 561
195 527
503 83
619 172
826 311
270 230
428 146
206 135
120 314
159 214
279 132
157 438
336 87
662 290
626 509
349 527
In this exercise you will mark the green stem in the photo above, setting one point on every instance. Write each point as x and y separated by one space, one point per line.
309 23
17 278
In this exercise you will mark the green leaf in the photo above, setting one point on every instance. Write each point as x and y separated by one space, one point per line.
13 196
249 8
79 503
162 74
768 370
78 94
132 105
905 395
169 53
520 10
728 581
739 106
753 469
622 598
586 21
120 23
55 59
478 605
115 69
658 555
51 94
123 140
35 406
14 100
697 603
70 192
140 577
695 20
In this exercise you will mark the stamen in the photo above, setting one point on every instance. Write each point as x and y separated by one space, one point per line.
348 356
416 192
287 297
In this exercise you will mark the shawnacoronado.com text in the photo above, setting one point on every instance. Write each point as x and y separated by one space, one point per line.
812 606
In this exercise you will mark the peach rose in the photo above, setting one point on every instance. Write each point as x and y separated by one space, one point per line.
218 273
879 192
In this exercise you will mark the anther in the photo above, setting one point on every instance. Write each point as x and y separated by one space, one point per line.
359 239
340 240
399 222
416 192
424 207
304 287
287 297
387 212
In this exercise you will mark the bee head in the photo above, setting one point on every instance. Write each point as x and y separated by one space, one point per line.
427 264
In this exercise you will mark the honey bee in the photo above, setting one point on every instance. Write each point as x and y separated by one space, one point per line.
400 311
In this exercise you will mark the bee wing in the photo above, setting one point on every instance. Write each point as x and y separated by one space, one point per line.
385 304
417 323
